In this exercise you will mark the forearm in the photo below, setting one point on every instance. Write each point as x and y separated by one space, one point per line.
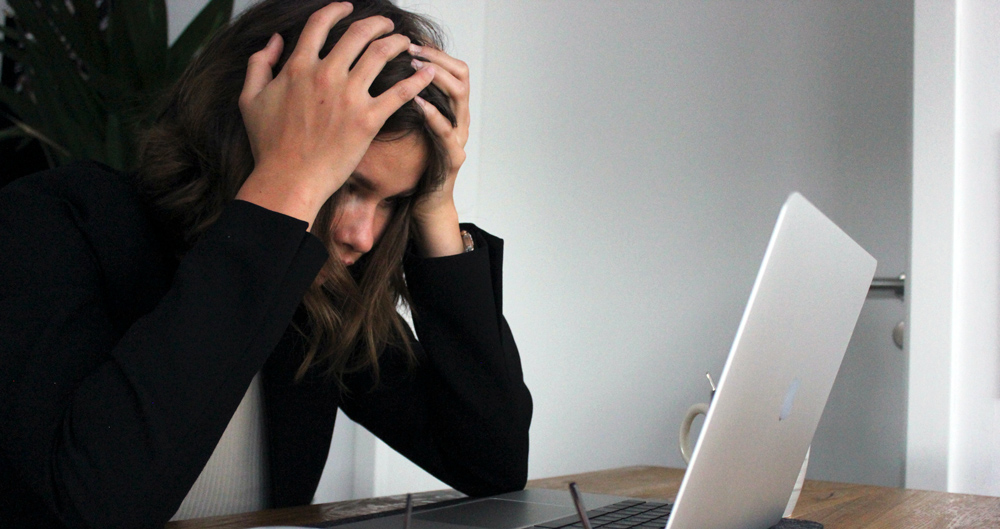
464 415
109 426
472 435
438 233
485 422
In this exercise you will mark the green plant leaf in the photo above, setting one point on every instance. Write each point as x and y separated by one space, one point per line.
108 87
12 132
11 50
81 28
123 65
11 32
55 78
72 113
32 19
213 16
145 24
46 142
114 154
84 80
19 105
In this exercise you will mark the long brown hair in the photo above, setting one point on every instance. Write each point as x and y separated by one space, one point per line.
196 156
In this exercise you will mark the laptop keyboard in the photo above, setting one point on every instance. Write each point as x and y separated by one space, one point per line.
621 515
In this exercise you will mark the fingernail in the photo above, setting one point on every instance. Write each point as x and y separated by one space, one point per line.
272 41
416 64
420 101
415 49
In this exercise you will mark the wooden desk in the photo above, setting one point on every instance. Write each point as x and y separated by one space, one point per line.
835 505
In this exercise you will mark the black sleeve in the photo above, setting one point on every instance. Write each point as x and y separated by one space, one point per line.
463 412
111 429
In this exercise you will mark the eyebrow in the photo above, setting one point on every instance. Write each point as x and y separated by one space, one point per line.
368 185
363 181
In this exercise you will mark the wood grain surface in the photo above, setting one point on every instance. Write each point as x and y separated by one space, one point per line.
835 505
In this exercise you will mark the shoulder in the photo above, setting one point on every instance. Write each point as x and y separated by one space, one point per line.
93 201
83 219
88 189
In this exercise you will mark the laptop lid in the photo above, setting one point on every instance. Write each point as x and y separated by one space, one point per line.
795 330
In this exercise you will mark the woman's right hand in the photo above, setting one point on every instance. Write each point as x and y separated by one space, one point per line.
310 126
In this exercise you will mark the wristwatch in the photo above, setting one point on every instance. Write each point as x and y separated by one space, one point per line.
467 241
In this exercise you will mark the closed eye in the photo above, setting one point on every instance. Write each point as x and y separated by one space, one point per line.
395 201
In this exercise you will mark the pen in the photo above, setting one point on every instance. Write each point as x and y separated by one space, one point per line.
579 505
409 511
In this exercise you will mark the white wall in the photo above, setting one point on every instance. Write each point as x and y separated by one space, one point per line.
180 13
955 309
930 289
975 420
634 156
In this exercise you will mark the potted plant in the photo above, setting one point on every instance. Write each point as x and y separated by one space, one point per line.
87 69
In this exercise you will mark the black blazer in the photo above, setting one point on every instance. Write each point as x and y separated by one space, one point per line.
120 365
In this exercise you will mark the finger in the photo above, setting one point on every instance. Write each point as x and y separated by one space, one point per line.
317 29
355 39
455 67
454 88
260 68
438 123
402 92
374 59
452 78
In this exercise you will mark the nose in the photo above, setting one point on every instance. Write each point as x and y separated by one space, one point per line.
356 228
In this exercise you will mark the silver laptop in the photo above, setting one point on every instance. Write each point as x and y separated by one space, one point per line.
788 348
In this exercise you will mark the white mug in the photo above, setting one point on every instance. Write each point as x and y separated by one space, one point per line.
684 442
685 435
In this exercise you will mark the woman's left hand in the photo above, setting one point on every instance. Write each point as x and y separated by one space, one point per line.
435 214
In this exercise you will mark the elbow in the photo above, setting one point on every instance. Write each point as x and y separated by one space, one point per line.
505 464
506 476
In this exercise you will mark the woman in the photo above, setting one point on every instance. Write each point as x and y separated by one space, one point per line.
185 335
